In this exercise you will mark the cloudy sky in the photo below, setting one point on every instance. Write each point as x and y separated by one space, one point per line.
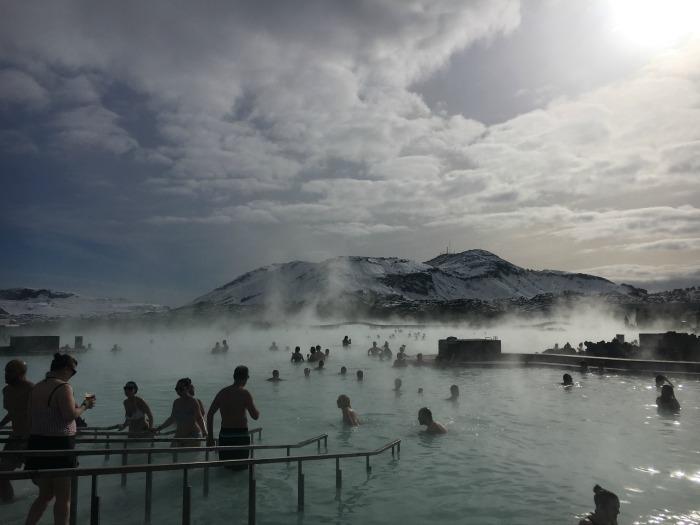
155 150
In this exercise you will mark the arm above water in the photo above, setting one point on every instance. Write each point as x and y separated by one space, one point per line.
168 421
250 406
146 410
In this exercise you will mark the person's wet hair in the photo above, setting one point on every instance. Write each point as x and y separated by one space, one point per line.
14 370
130 385
275 373
425 411
183 383
343 401
63 361
567 380
343 370
240 374
360 374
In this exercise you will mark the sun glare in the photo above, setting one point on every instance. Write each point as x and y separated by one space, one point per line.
656 23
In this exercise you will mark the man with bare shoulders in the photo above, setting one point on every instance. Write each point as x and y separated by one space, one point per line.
233 402
15 399
425 417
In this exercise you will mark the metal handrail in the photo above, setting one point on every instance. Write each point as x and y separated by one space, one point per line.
149 469
169 450
148 439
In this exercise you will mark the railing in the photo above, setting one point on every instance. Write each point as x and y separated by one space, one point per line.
94 472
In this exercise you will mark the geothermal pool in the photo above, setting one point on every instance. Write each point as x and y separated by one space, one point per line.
520 449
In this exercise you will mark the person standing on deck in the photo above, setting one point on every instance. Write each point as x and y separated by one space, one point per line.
233 402
15 399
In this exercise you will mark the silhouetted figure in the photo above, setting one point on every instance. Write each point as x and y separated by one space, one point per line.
217 348
397 385
374 350
137 414
187 415
296 356
320 365
347 341
273 347
15 399
402 353
52 412
116 348
419 360
425 417
420 390
275 377
667 403
607 508
567 380
349 415
307 372
454 393
327 354
224 346
234 402
343 370
360 375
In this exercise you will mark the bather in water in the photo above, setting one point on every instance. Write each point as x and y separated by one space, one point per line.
607 508
667 403
425 417
349 415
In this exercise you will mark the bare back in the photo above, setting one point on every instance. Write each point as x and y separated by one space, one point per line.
16 402
233 402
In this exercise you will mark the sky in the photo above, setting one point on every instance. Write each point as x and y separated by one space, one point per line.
156 150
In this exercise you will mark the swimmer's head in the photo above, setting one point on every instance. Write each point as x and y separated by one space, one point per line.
454 391
318 348
343 401
328 351
297 350
420 390
183 385
607 504
15 370
419 357
240 375
360 375
343 370
307 372
567 380
397 383
660 380
276 374
130 388
320 363
425 416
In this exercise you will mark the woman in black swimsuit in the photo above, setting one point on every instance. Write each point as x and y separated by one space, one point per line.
607 508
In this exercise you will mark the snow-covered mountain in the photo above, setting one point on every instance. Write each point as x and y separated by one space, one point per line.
473 274
29 304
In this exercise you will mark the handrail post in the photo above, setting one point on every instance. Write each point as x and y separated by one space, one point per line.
205 476
73 500
300 487
186 501
318 446
107 448
94 502
369 469
325 442
251 494
338 474
125 459
149 492
288 453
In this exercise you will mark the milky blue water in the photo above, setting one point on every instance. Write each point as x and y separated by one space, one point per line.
520 449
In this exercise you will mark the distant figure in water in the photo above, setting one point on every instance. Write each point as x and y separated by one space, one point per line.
234 402
607 508
567 380
375 350
454 393
419 360
320 365
360 375
402 353
425 417
138 416
296 356
420 390
224 345
397 385
349 415
307 372
327 353
343 371
273 346
116 348
217 348
347 341
667 403
186 414
275 377
661 381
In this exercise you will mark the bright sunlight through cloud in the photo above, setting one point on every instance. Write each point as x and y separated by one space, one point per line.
656 24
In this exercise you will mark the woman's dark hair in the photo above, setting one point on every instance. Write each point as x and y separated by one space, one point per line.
603 497
63 361
185 381
240 373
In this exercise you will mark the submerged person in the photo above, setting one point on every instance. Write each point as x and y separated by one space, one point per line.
454 393
386 351
419 360
667 402
275 377
374 349
52 411
397 385
425 417
296 356
343 370
186 414
137 414
349 415
15 399
234 402
347 341
607 508
567 380
217 348
273 346
402 353
224 345
360 375
307 372
320 365
661 380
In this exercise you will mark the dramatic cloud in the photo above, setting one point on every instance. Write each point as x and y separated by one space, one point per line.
280 129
